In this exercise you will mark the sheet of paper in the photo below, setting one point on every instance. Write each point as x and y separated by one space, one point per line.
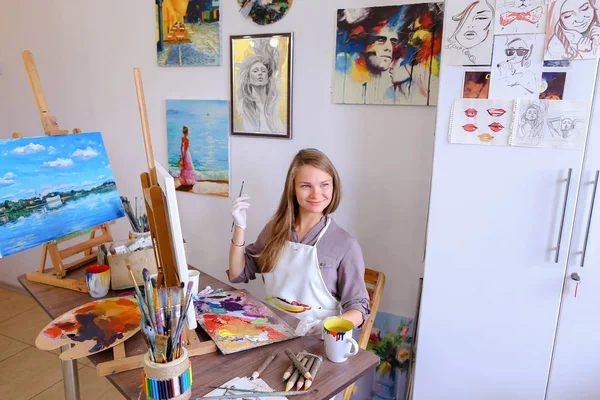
558 124
481 121
517 66
468 32
244 383
520 16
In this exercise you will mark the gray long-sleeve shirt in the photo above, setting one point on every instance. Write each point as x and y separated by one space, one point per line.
340 259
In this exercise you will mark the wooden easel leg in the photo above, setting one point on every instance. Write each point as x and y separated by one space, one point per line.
59 268
43 260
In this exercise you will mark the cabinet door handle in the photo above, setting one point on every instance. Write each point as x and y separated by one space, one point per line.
589 222
564 211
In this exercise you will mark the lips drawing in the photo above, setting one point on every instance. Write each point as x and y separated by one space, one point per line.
486 137
496 112
470 112
496 126
470 127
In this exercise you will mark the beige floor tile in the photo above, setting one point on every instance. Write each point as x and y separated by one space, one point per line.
91 387
12 303
8 347
26 326
29 373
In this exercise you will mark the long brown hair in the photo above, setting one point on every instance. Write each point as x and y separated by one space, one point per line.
288 208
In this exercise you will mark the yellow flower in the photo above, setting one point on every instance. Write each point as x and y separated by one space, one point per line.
385 368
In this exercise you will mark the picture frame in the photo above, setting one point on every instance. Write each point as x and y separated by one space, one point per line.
261 98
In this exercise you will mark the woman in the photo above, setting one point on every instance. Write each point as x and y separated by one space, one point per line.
311 267
474 24
187 175
577 30
531 123
258 82
515 70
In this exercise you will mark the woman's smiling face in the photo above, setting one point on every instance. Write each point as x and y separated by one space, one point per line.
576 15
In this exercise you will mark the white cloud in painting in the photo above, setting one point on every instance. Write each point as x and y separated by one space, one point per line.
7 196
66 186
85 154
86 183
51 150
6 182
100 177
59 163
29 149
9 175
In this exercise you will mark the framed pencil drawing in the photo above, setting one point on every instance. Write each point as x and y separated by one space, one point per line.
261 85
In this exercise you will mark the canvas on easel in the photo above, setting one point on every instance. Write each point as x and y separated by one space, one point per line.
58 206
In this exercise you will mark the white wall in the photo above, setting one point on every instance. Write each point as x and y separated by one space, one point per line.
85 53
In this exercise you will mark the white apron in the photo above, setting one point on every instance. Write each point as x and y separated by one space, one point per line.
296 285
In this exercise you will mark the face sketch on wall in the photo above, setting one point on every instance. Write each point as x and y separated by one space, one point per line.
474 23
564 127
575 29
531 123
514 71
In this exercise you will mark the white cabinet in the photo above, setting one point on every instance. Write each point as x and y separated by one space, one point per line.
493 280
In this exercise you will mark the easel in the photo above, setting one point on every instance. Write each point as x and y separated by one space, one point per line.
58 276
163 250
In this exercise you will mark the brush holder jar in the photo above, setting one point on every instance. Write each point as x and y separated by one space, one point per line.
168 381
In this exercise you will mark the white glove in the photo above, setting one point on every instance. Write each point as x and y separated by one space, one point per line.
309 326
238 210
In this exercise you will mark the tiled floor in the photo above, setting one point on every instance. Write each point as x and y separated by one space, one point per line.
28 373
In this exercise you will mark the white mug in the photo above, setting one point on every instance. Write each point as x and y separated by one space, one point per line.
339 345
97 278
194 277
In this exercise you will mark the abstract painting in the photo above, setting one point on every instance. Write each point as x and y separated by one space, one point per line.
550 124
261 76
520 16
476 85
198 145
188 32
236 321
391 340
517 66
53 186
265 12
92 327
572 30
553 85
481 121
469 32
388 55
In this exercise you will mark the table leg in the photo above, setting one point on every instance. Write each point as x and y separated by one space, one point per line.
70 376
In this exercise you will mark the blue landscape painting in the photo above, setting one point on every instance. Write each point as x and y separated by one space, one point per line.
53 186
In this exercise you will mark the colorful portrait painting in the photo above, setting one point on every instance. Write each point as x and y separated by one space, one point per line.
476 85
198 145
54 186
92 327
261 74
236 321
572 30
265 12
553 85
188 32
388 55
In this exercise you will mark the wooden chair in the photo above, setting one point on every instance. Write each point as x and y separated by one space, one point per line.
375 282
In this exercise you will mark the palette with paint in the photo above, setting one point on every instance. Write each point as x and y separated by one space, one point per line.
92 327
236 321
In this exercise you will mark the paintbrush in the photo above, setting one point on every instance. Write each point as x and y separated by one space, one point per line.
181 312
181 321
148 338
157 312
255 393
241 189
140 299
162 296
149 296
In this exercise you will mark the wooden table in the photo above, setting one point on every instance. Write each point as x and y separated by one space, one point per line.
216 368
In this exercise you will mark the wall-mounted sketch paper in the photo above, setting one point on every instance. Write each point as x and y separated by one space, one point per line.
53 186
553 85
481 121
388 55
517 66
476 85
572 30
520 16
198 145
558 124
468 32
236 321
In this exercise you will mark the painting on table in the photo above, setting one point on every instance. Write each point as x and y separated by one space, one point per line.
236 321
188 32
388 55
92 327
53 186
469 32
198 145
261 85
